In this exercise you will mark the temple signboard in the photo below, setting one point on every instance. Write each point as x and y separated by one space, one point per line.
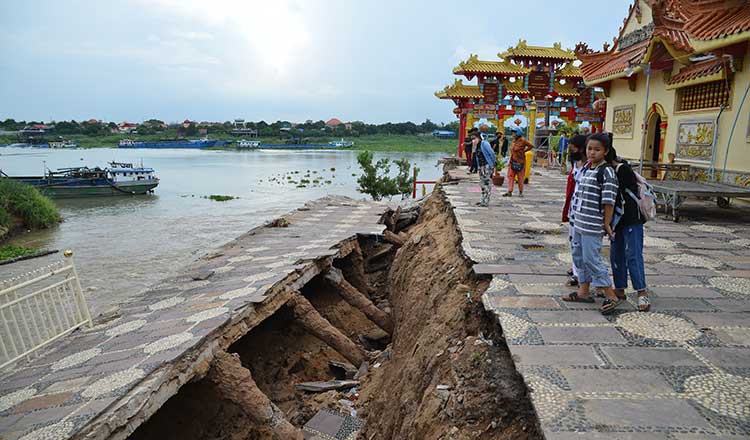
538 84
485 110
490 92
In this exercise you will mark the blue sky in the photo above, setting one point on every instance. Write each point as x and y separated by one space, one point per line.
217 60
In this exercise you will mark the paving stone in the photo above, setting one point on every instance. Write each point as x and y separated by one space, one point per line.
499 269
659 303
580 334
536 289
527 302
558 355
685 292
726 357
655 412
673 280
589 435
44 401
608 380
719 319
650 356
731 305
568 316
733 336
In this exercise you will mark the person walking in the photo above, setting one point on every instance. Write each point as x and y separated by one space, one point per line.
576 148
562 147
485 158
626 249
518 149
592 219
467 149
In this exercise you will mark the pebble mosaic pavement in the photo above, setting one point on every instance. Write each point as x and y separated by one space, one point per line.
57 393
681 371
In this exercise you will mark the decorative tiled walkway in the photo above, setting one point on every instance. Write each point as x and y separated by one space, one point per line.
680 372
90 383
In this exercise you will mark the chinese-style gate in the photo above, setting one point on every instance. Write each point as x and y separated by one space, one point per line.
505 89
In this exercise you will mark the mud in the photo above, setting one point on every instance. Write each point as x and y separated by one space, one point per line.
444 373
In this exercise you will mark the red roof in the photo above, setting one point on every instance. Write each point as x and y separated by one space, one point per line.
602 64
698 70
676 23
333 122
126 124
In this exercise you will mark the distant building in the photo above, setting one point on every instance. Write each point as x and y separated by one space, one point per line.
333 123
444 134
241 129
127 127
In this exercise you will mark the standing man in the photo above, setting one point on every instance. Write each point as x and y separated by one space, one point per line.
562 147
517 165
468 149
485 159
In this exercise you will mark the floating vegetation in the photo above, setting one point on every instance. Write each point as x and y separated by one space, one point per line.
220 198
333 169
328 182
304 181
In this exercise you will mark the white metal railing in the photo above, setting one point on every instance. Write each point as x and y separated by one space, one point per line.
40 307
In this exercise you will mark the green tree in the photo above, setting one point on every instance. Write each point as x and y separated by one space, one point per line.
376 180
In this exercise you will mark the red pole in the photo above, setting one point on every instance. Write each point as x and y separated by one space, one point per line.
414 185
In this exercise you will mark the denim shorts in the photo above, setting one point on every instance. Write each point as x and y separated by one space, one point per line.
588 260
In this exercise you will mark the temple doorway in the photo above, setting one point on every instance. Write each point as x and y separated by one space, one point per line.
653 139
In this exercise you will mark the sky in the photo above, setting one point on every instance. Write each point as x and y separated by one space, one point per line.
217 60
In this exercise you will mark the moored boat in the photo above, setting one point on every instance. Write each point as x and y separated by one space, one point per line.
248 144
178 143
117 180
341 144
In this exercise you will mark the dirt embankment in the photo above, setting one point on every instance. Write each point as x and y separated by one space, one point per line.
444 374
450 375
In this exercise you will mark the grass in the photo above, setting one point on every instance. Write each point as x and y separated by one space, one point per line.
9 252
376 142
220 198
26 203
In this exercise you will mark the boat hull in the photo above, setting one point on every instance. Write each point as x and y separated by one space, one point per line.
90 188
176 144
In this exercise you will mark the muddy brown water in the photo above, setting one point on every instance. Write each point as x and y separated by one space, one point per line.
123 245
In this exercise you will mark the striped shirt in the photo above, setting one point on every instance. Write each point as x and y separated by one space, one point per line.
588 211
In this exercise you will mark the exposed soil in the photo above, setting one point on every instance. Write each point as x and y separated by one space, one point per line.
443 338
444 374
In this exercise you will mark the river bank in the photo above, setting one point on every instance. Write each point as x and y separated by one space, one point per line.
381 143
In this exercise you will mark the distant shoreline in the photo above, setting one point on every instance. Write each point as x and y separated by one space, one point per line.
381 143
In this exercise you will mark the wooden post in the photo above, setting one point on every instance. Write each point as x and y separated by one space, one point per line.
414 184
235 383
318 326
359 300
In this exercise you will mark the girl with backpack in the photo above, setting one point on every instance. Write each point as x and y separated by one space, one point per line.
593 214
576 153
626 248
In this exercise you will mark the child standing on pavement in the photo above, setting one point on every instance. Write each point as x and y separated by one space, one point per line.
592 219
576 149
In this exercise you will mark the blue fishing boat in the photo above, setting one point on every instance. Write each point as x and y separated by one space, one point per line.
117 180
186 143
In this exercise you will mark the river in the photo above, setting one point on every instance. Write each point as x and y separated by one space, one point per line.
123 245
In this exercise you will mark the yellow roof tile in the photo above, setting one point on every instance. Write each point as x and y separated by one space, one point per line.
474 65
522 50
515 88
459 90
565 90
569 71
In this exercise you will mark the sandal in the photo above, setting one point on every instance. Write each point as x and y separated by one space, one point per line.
507 194
573 297
609 306
644 303
570 272
572 281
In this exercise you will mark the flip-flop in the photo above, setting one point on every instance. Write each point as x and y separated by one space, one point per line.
573 297
609 306
572 281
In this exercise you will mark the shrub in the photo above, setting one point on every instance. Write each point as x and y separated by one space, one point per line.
27 203
376 181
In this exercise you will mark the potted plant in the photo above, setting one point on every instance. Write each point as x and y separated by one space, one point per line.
498 179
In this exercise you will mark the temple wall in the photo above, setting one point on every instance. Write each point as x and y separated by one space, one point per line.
738 163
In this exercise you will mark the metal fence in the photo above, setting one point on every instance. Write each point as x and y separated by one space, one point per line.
40 307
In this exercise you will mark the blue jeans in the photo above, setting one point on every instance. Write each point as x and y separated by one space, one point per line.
587 258
626 255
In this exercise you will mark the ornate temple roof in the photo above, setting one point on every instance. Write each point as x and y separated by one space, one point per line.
515 88
522 50
459 90
677 24
565 90
704 71
569 71
474 66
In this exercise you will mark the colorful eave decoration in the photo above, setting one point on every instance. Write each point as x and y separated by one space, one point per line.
522 50
474 66
459 90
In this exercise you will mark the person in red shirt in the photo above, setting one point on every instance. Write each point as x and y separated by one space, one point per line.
517 164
